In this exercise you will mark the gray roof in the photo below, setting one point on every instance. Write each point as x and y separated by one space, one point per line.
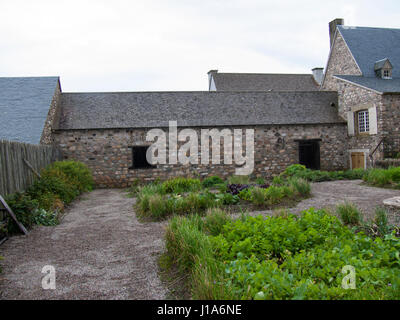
381 63
375 83
368 45
195 109
264 82
24 105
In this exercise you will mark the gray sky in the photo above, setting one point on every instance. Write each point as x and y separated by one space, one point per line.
151 45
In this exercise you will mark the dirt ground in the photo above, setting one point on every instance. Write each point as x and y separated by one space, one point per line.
101 251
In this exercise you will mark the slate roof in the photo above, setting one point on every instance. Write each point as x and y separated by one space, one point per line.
264 82
24 105
368 47
376 84
195 109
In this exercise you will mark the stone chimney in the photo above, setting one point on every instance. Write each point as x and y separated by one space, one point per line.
210 74
332 28
318 74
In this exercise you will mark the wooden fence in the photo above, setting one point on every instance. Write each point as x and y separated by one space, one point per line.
15 174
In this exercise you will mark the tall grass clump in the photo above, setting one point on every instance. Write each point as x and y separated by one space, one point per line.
349 214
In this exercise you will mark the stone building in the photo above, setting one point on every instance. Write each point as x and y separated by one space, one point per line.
364 68
107 131
344 118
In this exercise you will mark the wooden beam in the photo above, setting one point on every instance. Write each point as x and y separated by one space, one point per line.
11 213
30 167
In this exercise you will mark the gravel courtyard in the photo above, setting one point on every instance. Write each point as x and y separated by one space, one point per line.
101 251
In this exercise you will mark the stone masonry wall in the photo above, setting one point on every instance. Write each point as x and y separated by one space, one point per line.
390 114
341 62
108 155
51 119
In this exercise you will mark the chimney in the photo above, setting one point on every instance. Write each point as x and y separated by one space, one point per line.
318 74
332 28
210 74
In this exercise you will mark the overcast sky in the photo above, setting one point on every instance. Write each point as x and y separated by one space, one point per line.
152 45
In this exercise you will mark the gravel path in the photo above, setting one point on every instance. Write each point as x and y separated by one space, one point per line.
329 194
99 251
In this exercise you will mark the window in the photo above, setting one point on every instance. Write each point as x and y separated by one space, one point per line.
363 121
386 73
139 160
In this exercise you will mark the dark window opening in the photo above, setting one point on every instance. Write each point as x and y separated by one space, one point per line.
139 160
309 154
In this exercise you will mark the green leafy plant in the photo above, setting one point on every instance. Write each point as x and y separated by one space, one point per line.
23 207
45 218
180 185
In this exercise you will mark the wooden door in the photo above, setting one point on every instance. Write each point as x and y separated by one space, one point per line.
357 160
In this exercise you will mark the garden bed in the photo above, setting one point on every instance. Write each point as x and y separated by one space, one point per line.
282 257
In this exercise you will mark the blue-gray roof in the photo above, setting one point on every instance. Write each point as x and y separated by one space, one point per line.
377 84
368 45
24 105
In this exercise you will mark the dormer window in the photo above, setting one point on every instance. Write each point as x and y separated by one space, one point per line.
386 74
383 69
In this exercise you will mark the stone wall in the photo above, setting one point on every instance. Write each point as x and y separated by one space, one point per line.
390 114
52 117
108 154
341 62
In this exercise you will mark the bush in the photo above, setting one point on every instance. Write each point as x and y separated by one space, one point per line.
76 172
57 184
23 207
215 220
60 183
212 181
349 214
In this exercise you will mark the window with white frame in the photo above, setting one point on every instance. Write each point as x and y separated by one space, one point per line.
363 121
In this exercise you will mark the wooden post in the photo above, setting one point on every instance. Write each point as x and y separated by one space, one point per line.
11 213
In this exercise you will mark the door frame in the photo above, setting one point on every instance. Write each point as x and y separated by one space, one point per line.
366 154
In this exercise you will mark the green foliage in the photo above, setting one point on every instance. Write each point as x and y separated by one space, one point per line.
227 198
284 257
76 172
381 221
181 185
383 177
349 214
215 220
299 185
45 218
239 180
60 183
212 181
23 207
300 171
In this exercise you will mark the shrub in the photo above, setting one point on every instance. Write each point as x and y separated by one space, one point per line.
23 207
76 172
349 214
180 185
378 177
56 184
212 181
294 170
